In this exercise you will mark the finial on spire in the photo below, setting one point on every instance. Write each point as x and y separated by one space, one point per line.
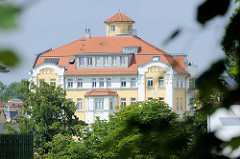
119 10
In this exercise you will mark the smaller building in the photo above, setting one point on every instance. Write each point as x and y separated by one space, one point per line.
15 102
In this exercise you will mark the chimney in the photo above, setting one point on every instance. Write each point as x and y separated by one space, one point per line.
87 33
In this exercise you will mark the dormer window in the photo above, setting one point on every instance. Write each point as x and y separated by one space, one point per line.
155 58
112 28
129 28
89 61
131 49
71 61
81 61
98 61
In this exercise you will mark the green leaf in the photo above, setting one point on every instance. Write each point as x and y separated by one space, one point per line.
8 14
233 143
210 9
8 58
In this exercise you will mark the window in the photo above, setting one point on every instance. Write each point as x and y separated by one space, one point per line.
133 101
99 103
191 83
101 82
108 82
112 28
123 82
133 82
177 104
89 61
43 72
192 100
79 104
79 83
81 61
114 61
41 81
70 83
155 58
129 28
70 99
161 98
98 61
106 61
123 102
53 82
150 82
149 99
122 59
51 72
161 82
94 82
181 104
47 72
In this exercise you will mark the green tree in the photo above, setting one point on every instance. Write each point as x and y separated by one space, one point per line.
144 130
11 129
50 113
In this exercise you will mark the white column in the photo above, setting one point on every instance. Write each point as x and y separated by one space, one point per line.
141 87
169 90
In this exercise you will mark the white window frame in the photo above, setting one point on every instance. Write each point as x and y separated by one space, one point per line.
123 102
106 61
99 103
129 28
97 61
101 82
161 98
81 61
70 83
123 82
112 28
109 82
177 104
94 82
79 104
89 61
41 82
122 60
114 60
133 82
53 81
79 82
133 101
161 82
149 99
150 82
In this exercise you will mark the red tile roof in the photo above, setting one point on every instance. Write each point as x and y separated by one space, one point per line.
111 45
119 17
101 92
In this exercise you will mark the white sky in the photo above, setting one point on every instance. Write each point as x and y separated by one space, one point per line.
53 23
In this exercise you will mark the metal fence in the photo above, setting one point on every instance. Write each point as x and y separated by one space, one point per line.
16 146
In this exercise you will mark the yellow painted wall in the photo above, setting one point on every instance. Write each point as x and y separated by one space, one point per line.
75 94
155 72
128 94
47 74
179 93
120 28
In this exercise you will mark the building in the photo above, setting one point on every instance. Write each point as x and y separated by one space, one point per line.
100 73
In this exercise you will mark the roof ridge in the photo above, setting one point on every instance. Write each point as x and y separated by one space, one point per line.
65 45
156 48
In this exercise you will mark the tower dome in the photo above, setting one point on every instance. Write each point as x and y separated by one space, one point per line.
119 25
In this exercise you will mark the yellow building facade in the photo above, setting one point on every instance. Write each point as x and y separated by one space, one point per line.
103 74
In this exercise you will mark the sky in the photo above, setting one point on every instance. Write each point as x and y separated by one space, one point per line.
53 23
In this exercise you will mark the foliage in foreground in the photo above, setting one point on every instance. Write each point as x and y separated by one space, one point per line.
49 112
144 130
